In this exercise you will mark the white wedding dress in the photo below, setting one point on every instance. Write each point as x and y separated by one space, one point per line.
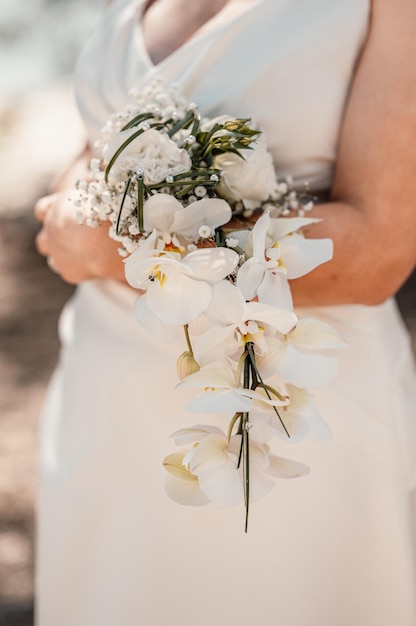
335 548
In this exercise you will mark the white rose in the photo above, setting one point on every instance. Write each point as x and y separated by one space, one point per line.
152 151
251 180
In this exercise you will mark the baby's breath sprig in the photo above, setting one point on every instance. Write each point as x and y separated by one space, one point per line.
289 200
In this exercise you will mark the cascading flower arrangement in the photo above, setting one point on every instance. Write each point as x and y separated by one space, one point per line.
168 182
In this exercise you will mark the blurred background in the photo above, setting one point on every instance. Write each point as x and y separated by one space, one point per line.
40 133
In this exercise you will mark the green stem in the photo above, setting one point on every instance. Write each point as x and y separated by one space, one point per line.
136 120
140 202
183 123
188 339
232 424
276 393
126 190
246 468
120 150
241 362
245 448
156 125
192 183
250 350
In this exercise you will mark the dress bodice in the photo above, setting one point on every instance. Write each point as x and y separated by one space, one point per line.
286 63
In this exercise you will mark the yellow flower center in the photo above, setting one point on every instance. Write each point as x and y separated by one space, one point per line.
278 260
170 247
157 274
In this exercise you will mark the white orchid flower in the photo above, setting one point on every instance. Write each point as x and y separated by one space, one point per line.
178 290
299 417
152 323
212 471
181 485
222 392
213 460
238 322
279 253
305 356
167 215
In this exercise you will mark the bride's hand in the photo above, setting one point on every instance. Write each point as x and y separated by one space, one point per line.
74 251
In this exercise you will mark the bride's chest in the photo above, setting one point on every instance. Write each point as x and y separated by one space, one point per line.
166 25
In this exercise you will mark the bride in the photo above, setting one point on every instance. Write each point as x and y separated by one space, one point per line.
331 83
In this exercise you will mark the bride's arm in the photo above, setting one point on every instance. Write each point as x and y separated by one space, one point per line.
372 215
74 251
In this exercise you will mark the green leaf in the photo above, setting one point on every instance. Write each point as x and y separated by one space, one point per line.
252 356
183 123
140 202
120 150
126 190
232 423
137 120
246 468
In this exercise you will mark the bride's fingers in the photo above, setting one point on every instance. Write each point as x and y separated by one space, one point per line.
52 265
42 207
42 243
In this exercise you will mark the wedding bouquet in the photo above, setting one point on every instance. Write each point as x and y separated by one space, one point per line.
167 182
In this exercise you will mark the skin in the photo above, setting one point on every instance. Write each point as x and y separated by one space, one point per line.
370 217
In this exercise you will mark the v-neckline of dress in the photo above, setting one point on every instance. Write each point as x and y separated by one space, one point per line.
210 27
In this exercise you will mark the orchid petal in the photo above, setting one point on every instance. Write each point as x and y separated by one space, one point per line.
210 211
245 240
319 430
261 430
211 264
261 398
301 256
249 277
174 465
152 323
215 344
286 468
139 265
215 377
283 226
181 485
147 244
301 417
260 483
295 425
279 318
179 300
159 212
217 473
185 492
259 458
227 304
275 291
259 237
221 401
304 369
312 334
194 434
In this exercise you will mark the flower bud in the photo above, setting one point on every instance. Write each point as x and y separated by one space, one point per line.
186 365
